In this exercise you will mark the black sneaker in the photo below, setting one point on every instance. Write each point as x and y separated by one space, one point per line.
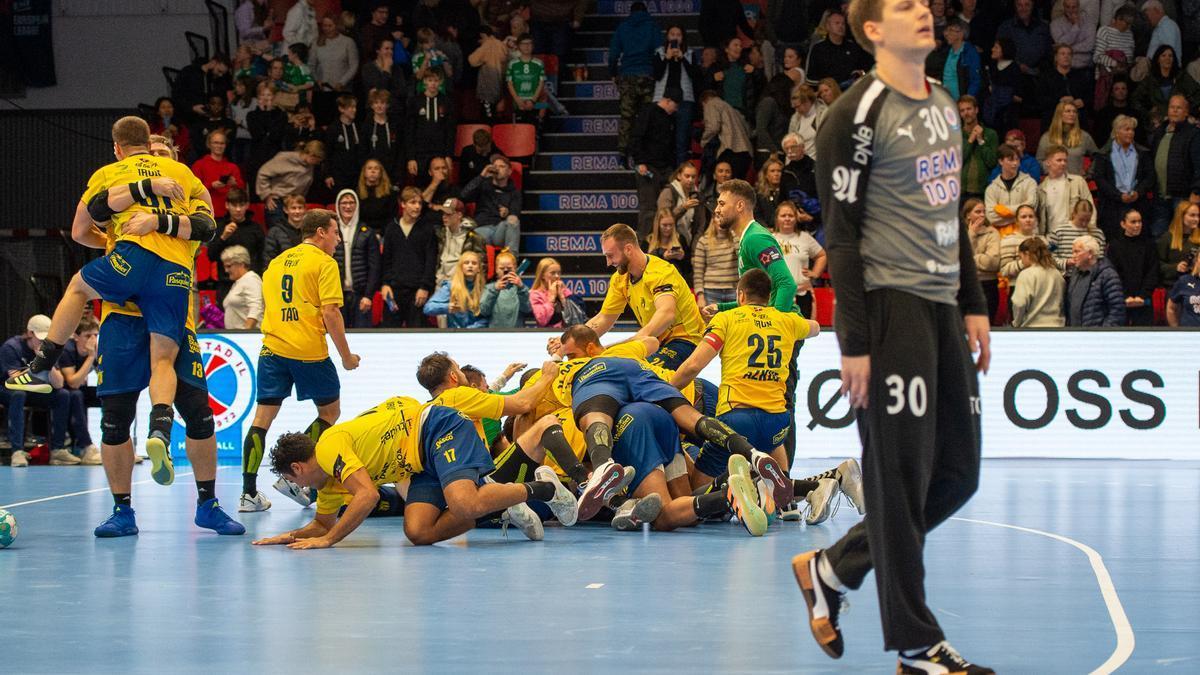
27 381
941 658
824 604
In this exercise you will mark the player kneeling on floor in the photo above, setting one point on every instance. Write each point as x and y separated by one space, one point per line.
401 439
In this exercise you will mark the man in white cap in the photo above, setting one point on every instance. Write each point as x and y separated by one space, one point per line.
456 237
15 355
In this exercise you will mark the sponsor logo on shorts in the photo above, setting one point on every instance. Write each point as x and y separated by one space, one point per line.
589 372
119 264
622 423
179 280
779 437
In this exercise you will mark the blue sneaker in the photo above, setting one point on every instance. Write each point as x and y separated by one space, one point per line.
209 515
120 524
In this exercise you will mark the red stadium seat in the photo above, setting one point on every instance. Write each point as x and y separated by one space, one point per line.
377 309
515 140
824 305
463 136
1032 128
1159 301
206 269
550 61
257 212
518 174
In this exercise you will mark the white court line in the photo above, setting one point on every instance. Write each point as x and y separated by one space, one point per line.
88 492
1116 612
594 586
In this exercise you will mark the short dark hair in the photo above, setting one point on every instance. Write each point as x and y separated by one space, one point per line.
525 37
756 284
300 50
346 100
1006 151
86 324
1127 14
622 233
582 334
291 448
316 219
237 195
433 371
131 132
474 375
740 189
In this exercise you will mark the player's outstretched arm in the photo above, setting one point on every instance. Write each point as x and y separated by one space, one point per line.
663 319
336 327
319 527
695 363
84 230
363 498
526 399
602 323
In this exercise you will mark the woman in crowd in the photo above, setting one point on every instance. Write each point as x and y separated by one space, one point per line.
828 91
682 197
1037 296
549 296
772 115
268 127
1004 82
376 200
1065 131
793 65
383 73
458 298
1179 245
358 259
244 302
673 67
165 123
505 302
1165 78
769 177
217 173
809 111
1011 263
1123 174
1183 300
715 266
985 243
243 103
1063 237
804 256
721 172
664 242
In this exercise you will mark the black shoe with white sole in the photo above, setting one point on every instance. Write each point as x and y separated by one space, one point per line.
824 604
940 659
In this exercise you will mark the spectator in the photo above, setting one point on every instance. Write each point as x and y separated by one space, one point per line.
1113 53
374 32
409 264
652 149
1183 300
167 124
721 20
288 173
217 173
382 141
1119 104
376 201
382 73
715 265
552 21
1037 298
239 109
297 76
1060 192
728 128
429 125
549 296
235 230
247 63
664 242
526 78
770 177
497 13
358 260
344 144
733 78
1030 37
459 297
1066 132
772 116
1006 87
437 192
807 116
1008 191
286 234
1175 148
1077 32
793 64
455 236
804 256
216 119
1165 77
1123 174
427 58
300 26
302 127
631 63
673 68
505 302
1060 83
1082 223
253 20
837 56
979 148
268 129
1179 245
1029 164
243 303
490 58
985 244
15 355
981 22
475 157
938 9
200 80
1164 30
721 172
1094 295
682 197
956 63
828 91
334 57
1133 256
76 363
799 181
497 205
1011 263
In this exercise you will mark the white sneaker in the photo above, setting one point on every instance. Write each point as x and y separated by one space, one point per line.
293 492
820 501
525 519
850 482
91 456
564 505
258 502
634 512
63 457
20 458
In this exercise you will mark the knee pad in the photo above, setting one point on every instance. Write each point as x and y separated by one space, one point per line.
116 416
192 404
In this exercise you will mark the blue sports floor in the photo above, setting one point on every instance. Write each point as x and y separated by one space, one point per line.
1106 577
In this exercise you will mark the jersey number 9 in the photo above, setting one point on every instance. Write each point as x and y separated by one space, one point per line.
287 286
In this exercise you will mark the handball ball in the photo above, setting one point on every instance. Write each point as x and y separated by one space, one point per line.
8 528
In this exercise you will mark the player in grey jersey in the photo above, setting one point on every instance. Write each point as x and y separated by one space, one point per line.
910 312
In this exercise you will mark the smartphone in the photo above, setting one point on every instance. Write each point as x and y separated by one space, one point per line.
673 44
523 267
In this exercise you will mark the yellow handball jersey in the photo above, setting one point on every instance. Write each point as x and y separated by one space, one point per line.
659 278
559 393
473 403
297 283
756 344
385 440
135 168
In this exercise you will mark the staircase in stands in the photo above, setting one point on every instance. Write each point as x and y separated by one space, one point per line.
578 185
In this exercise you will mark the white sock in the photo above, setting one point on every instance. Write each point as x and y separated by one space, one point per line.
825 570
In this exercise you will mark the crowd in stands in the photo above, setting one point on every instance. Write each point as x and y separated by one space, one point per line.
1075 118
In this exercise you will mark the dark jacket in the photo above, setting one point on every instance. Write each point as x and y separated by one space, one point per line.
1136 262
248 234
1104 303
489 197
633 44
377 212
382 142
720 20
799 180
1183 159
970 68
364 246
280 238
1169 258
345 152
826 59
472 162
429 128
409 262
652 141
1109 207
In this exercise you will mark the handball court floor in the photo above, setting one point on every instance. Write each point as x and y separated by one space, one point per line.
1054 567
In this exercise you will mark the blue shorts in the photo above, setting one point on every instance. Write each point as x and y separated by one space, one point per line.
451 450
707 405
764 430
123 357
672 353
314 380
160 288
646 438
624 380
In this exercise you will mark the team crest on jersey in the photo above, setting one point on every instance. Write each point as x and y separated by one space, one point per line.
769 255
231 380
